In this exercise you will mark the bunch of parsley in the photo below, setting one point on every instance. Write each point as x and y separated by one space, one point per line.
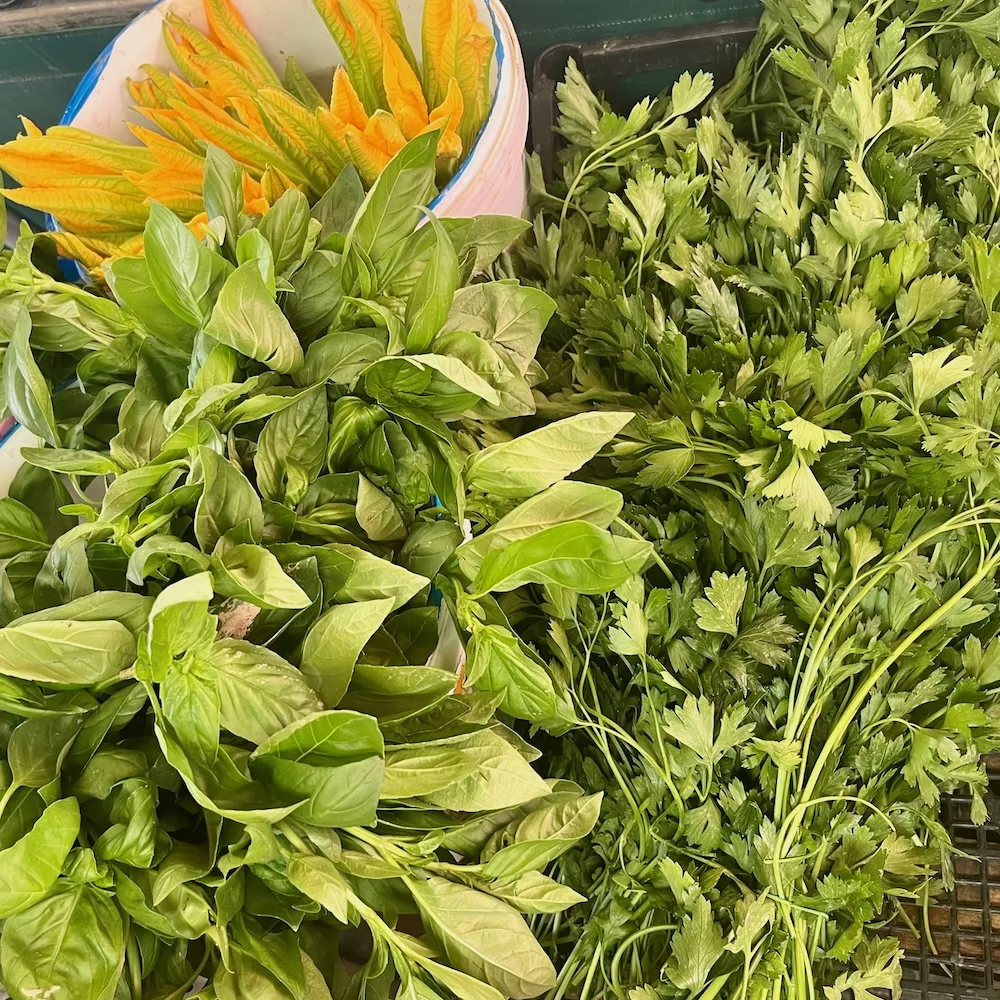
798 294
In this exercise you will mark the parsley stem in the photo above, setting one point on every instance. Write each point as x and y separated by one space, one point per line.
861 695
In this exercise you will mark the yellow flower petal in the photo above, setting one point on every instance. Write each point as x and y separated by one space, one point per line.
337 24
447 116
83 209
253 194
372 149
199 225
230 31
336 131
142 93
240 143
199 99
181 203
387 11
169 122
47 160
249 115
457 45
159 178
403 91
307 128
30 128
181 51
167 152
224 77
344 101
76 249
188 36
159 82
364 63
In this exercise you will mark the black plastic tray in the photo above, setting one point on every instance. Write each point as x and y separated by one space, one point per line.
963 961
629 67
965 925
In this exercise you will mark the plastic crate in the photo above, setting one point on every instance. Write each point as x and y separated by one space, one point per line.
962 961
630 67
45 47
543 23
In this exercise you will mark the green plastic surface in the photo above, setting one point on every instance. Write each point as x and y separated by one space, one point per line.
38 73
541 23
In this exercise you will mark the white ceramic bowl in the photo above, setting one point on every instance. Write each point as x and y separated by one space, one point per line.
491 180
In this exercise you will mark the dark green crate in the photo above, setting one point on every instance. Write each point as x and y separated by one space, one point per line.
543 23
45 47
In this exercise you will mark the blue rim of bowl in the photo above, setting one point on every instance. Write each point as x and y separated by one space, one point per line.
89 80
7 434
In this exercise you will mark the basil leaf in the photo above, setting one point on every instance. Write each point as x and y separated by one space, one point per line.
180 268
510 318
502 779
340 357
66 654
252 248
422 771
530 843
160 551
489 236
25 391
534 892
291 450
428 304
259 692
534 461
334 643
222 191
129 489
182 913
391 209
76 462
369 578
70 942
29 868
483 937
131 283
339 205
316 296
499 661
334 759
178 621
223 790
577 556
43 494
285 226
445 387
564 501
251 573
247 318
20 529
342 795
228 502
377 514
322 881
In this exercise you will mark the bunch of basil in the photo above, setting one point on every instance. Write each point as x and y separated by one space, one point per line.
239 731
